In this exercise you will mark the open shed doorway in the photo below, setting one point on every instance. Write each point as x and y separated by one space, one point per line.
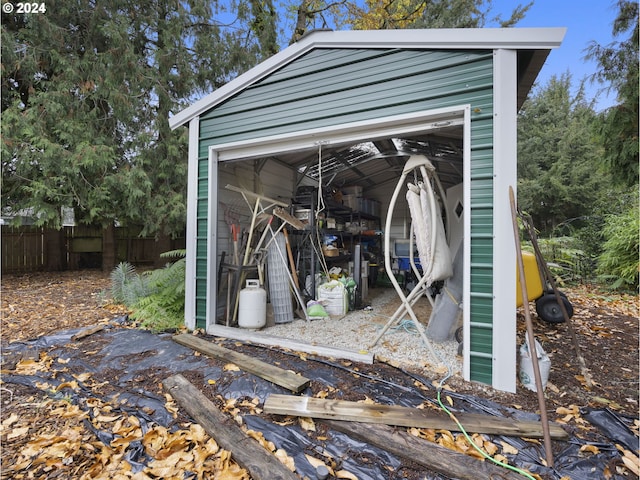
370 154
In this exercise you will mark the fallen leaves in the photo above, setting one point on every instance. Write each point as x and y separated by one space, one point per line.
571 414
630 460
40 303
30 366
57 430
458 442
64 444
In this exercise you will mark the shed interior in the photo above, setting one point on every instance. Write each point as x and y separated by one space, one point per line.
357 181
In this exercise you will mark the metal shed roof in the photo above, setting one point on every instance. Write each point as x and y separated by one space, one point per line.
533 46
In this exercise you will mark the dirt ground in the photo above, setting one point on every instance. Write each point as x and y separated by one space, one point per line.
606 328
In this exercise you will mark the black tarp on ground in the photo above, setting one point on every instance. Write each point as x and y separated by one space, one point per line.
131 359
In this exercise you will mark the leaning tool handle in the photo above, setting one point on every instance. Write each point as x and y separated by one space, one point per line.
530 338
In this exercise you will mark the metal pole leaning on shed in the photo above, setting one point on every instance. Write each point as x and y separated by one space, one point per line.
530 338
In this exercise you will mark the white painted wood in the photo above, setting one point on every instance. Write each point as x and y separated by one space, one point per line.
298 346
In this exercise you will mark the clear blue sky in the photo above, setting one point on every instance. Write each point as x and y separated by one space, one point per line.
586 21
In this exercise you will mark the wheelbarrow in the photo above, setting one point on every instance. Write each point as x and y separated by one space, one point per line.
538 289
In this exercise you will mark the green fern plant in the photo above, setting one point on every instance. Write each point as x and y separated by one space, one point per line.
121 278
162 307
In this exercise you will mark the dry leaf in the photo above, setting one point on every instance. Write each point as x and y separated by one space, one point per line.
231 367
590 448
286 460
316 462
13 418
501 459
632 465
508 449
82 377
629 459
346 474
307 424
73 385
322 394
104 418
17 433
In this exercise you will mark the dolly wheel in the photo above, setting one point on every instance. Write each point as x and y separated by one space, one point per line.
549 310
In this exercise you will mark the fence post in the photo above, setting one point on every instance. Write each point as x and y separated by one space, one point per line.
55 253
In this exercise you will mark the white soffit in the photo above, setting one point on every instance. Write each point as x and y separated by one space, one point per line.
440 39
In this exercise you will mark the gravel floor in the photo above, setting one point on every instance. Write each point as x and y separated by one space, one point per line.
401 344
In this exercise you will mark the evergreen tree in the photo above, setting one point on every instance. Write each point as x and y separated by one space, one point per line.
87 90
558 156
618 64
67 98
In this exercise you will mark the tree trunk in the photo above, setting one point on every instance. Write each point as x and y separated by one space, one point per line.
109 248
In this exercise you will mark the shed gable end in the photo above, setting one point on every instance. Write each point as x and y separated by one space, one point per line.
333 86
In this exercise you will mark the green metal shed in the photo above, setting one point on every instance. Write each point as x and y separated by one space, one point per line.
332 89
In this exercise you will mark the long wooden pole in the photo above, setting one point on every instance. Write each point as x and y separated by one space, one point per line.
530 337
292 263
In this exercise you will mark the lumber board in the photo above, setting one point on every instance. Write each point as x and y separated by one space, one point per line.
285 378
297 346
430 455
247 452
87 331
291 220
405 416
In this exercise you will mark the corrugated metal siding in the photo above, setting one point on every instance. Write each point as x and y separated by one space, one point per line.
328 87
202 211
481 308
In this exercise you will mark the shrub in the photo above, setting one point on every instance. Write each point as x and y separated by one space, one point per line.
618 264
565 258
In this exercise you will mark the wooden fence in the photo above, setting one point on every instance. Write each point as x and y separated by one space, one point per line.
31 249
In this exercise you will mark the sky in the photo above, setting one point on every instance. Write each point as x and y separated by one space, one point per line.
586 21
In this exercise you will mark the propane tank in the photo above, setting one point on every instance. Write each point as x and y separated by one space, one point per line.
252 309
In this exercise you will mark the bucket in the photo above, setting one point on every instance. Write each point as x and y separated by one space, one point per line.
526 375
252 308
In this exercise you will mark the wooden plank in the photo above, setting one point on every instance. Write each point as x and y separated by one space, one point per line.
264 339
430 455
289 380
248 453
87 331
287 217
405 416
